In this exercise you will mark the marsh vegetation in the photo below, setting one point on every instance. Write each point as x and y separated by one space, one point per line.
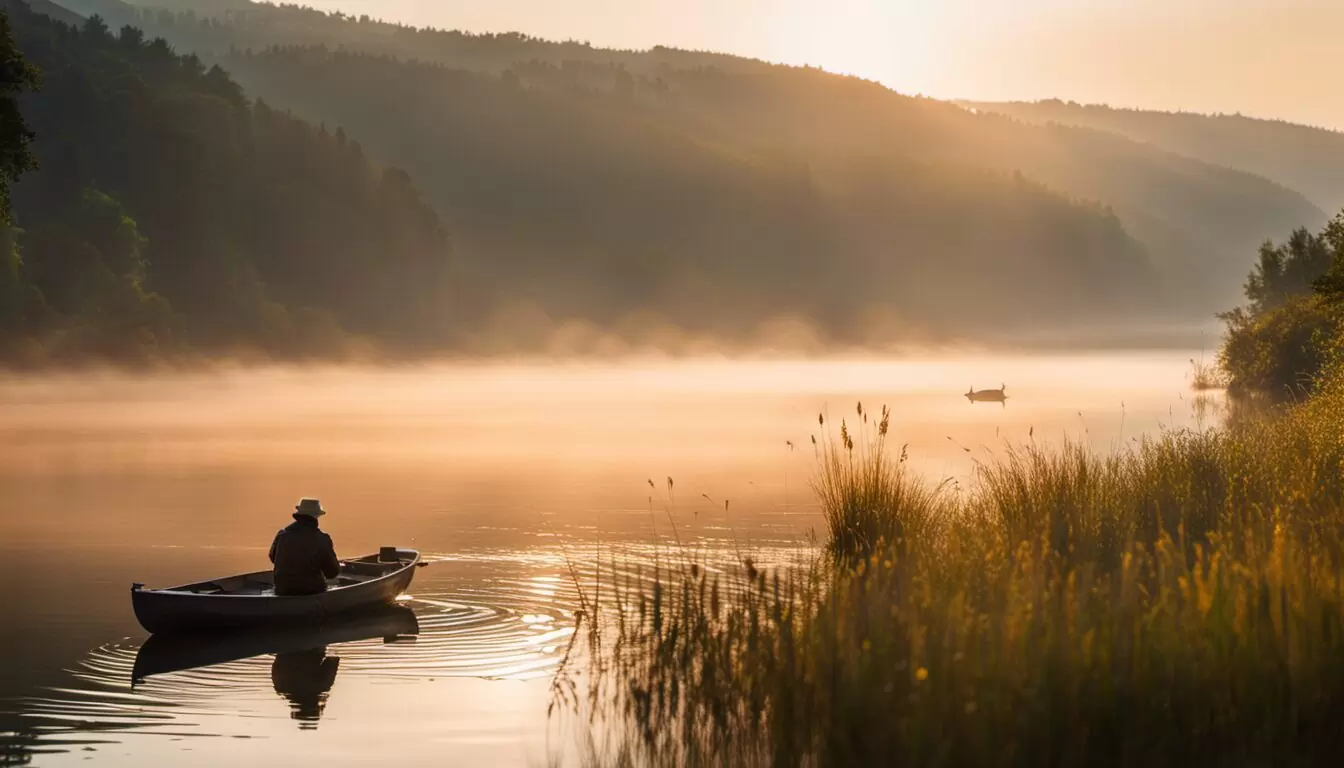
1177 600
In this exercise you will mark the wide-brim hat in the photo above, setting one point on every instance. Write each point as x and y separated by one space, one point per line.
310 507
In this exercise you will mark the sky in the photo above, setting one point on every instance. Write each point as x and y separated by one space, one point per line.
1265 58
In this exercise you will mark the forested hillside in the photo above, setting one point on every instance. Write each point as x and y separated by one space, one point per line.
213 26
1200 223
569 191
624 189
1310 160
592 204
169 214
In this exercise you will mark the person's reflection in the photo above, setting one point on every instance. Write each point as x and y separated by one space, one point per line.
304 678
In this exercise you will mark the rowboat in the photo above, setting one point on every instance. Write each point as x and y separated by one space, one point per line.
175 652
249 599
999 395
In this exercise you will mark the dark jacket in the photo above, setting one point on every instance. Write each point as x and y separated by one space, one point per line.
304 558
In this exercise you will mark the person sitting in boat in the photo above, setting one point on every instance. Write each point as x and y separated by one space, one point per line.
303 555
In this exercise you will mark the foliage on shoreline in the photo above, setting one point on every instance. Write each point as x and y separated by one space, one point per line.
1291 327
1206 376
1180 603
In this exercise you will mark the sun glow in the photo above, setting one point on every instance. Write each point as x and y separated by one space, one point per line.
1253 56
887 41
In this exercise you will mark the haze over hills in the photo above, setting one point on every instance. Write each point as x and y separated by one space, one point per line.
1199 223
633 189
1310 160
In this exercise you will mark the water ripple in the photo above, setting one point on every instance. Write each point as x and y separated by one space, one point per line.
499 615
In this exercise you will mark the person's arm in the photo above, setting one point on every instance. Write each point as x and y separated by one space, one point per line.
274 541
331 567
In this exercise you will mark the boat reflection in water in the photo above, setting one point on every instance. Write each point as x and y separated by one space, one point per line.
302 672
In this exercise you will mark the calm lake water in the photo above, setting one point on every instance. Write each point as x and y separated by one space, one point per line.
504 475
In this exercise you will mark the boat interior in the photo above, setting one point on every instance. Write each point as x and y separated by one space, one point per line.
353 572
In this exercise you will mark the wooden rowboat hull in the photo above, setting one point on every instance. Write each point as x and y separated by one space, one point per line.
988 395
248 600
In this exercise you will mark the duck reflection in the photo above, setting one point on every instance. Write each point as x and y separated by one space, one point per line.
302 672
304 678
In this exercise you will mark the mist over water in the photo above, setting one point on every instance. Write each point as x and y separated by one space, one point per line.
505 474
555 315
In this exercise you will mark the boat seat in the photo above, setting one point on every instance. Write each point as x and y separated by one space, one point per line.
365 568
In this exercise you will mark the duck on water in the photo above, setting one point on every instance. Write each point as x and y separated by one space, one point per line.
999 395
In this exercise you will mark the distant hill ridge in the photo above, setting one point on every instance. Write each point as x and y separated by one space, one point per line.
1305 158
267 24
711 189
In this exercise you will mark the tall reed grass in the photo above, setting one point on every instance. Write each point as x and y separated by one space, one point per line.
868 497
1206 376
1182 603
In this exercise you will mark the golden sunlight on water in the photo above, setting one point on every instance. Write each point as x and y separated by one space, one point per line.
504 475
538 437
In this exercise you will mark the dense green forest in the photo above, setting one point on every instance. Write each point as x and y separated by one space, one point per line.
1310 160
401 90
167 213
175 210
589 205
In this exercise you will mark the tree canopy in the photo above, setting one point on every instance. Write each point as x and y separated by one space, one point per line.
170 213
1292 326
16 76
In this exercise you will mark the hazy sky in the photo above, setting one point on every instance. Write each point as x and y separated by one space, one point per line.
1270 58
